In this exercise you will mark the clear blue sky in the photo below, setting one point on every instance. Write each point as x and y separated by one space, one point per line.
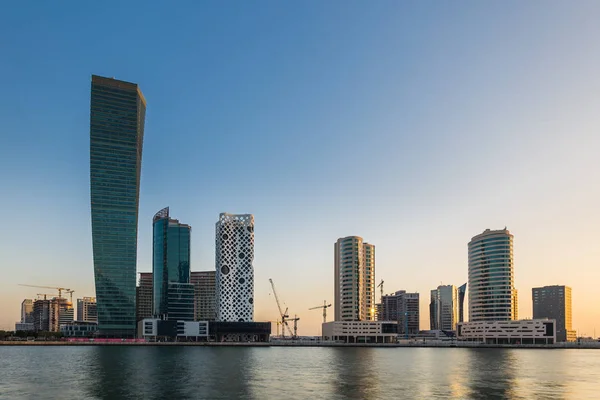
415 125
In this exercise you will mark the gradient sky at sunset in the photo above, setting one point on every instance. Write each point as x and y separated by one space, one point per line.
415 125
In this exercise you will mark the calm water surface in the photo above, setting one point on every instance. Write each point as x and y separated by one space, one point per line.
296 373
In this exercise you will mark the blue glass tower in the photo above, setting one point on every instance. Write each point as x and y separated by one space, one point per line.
117 115
173 292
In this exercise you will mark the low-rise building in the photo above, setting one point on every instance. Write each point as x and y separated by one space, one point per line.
24 326
154 329
361 331
528 331
79 329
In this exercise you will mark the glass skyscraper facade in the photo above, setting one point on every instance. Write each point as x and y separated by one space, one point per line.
117 117
492 293
173 292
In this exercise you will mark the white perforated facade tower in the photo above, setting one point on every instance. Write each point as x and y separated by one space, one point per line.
234 255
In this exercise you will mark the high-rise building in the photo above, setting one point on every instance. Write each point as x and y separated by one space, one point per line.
433 312
173 293
204 295
41 315
408 313
117 116
462 290
403 308
66 313
444 305
87 310
554 302
27 311
354 276
143 294
492 294
234 256
389 306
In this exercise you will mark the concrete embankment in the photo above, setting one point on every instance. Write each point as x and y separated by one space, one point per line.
291 343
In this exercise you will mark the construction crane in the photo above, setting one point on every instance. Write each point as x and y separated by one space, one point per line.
284 315
45 294
60 289
324 307
381 295
277 323
70 294
295 319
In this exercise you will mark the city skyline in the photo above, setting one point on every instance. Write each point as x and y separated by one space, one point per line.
454 138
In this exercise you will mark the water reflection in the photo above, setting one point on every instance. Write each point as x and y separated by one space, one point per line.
491 373
296 373
355 374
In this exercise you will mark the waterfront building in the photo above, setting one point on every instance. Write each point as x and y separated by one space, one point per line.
24 326
492 293
41 315
389 306
403 308
361 331
444 306
204 295
87 310
234 256
408 314
462 290
153 329
80 329
143 295
354 277
117 116
66 313
433 303
27 311
528 331
554 302
173 293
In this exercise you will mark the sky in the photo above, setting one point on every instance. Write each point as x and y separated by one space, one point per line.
415 125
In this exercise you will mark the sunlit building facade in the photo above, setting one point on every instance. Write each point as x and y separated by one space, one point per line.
117 116
492 293
444 308
354 278
87 310
554 302
205 293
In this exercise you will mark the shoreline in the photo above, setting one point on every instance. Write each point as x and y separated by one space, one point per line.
469 345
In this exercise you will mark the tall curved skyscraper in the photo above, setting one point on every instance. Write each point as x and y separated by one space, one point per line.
492 293
117 115
235 273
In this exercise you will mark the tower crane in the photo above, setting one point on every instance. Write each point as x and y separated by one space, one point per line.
295 319
277 323
381 295
60 289
324 307
45 294
70 294
284 315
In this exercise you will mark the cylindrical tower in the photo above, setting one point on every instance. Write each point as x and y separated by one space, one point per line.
492 294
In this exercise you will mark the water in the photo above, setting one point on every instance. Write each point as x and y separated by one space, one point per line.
296 373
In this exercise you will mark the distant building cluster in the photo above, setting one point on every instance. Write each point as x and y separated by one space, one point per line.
493 300
175 303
